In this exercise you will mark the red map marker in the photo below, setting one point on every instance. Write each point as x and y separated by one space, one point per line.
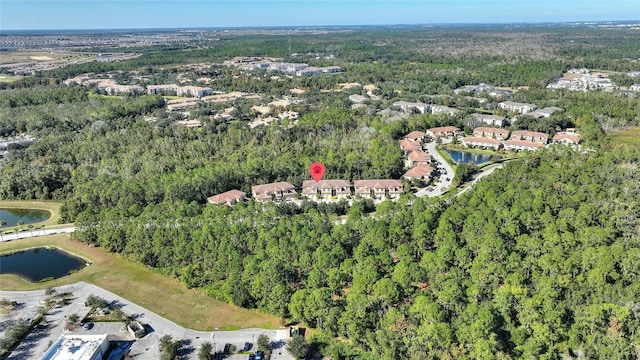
317 171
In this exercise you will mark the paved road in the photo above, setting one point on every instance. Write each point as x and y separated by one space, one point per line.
442 185
146 348
39 232
486 171
37 341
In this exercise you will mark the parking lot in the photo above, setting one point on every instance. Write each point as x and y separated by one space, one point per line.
38 340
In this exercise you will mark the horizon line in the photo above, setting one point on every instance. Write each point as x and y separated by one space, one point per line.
268 27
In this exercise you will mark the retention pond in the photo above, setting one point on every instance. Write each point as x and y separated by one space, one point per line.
40 263
468 157
28 216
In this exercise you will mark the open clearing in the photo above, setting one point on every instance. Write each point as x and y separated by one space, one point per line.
29 56
629 136
9 79
161 294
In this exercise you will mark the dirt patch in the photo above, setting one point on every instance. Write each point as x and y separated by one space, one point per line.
41 58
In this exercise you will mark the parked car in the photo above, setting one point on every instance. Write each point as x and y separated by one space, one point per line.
227 348
247 346
88 326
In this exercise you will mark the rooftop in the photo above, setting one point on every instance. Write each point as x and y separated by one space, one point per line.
227 197
483 140
76 347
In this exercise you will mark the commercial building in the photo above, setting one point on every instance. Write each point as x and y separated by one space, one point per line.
78 347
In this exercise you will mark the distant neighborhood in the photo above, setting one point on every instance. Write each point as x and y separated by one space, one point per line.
421 166
257 63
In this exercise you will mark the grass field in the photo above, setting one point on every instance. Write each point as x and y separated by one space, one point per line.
52 207
8 79
629 136
161 294
18 56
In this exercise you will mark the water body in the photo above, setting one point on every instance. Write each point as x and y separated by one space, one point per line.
468 157
28 216
40 263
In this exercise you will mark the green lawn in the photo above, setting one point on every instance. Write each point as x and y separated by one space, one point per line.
8 79
628 137
161 294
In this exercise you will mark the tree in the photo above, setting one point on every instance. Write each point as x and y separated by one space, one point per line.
164 342
30 226
21 224
298 347
264 345
73 319
168 347
205 351
2 225
118 314
50 291
96 301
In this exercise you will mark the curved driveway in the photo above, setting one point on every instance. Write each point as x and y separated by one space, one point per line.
443 185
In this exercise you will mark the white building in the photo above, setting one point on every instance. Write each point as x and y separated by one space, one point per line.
521 108
78 347
408 106
487 119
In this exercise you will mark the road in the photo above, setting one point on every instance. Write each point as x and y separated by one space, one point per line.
146 348
37 232
484 172
443 184
37 341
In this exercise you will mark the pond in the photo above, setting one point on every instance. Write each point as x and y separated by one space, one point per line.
40 263
27 216
469 157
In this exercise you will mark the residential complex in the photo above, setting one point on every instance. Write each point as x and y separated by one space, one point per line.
419 171
326 189
299 69
194 91
492 133
444 131
582 80
521 108
566 137
486 119
532 136
278 191
483 142
379 189
230 198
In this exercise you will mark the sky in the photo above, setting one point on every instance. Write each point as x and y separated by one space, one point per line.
123 14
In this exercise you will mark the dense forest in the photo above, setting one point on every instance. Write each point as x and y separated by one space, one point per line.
539 260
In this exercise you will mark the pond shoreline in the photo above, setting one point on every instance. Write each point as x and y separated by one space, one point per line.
66 255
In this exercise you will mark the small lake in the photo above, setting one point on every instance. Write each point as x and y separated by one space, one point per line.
468 157
40 263
28 216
